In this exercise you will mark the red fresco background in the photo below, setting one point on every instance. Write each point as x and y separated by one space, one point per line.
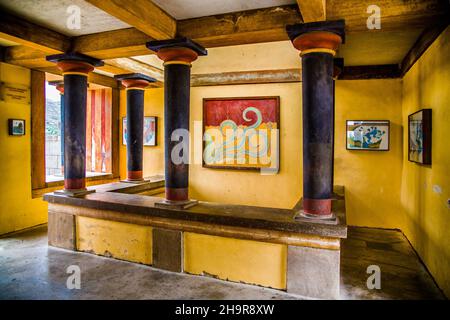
216 111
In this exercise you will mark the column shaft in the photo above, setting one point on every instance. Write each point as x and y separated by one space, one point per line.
317 69
176 116
317 43
75 92
135 133
177 54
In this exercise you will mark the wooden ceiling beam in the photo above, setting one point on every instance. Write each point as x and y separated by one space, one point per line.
424 41
254 26
113 44
144 15
136 66
92 77
312 10
35 59
395 14
387 71
29 34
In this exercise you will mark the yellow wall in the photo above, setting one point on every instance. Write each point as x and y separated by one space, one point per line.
153 156
17 209
281 190
425 190
371 178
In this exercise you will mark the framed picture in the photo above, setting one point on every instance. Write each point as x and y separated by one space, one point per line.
371 135
16 127
150 130
419 136
241 133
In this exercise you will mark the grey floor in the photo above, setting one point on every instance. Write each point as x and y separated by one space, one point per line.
29 269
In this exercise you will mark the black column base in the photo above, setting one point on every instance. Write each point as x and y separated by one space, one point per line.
136 181
186 204
74 192
302 216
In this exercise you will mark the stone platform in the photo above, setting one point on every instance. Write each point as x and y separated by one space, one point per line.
255 245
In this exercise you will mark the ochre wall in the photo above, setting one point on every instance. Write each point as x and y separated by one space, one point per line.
425 190
17 209
280 190
371 178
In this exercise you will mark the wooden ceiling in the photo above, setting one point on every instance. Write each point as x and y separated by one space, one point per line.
407 28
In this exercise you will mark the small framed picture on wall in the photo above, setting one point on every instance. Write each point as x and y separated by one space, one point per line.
419 137
370 135
150 130
16 127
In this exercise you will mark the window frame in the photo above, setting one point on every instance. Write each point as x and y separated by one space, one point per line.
39 186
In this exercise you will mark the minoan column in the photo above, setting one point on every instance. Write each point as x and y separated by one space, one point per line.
75 68
317 43
177 55
338 66
135 84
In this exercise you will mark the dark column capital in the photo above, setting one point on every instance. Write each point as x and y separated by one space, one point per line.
74 63
325 36
135 80
177 51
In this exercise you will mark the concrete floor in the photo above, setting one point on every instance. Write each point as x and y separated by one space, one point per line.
29 269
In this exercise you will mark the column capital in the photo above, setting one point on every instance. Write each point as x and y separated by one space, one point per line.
177 51
74 63
137 81
324 36
59 84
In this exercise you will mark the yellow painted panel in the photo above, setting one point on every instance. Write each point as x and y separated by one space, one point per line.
115 239
237 260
